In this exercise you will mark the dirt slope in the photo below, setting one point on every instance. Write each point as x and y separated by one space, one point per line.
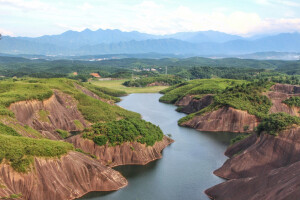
58 112
126 154
225 119
281 92
69 177
267 153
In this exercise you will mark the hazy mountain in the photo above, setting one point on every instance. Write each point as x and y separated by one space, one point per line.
158 46
285 42
100 36
88 37
204 36
89 42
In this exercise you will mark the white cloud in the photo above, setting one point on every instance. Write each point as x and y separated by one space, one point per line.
26 5
6 32
147 16
288 3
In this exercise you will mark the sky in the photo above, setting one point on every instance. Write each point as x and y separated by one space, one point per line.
35 18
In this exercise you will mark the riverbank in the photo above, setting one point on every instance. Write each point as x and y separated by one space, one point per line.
185 170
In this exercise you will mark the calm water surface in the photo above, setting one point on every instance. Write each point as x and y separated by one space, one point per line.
187 166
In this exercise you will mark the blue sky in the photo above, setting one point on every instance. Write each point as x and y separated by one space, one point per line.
241 17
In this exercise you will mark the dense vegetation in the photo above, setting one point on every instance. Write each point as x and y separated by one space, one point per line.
20 151
277 122
246 96
197 87
188 68
125 130
143 82
292 101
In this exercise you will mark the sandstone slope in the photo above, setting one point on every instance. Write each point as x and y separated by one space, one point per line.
280 184
128 153
69 177
267 153
191 105
264 167
281 92
225 119
58 112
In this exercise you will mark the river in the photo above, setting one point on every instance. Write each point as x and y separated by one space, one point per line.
187 166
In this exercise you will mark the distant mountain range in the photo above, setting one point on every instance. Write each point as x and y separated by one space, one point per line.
87 42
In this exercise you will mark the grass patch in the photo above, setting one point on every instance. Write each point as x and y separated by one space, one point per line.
43 116
118 85
6 130
33 132
238 138
95 111
78 124
102 92
13 196
63 134
20 151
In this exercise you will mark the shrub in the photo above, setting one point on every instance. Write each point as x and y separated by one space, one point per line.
292 101
125 130
277 122
63 134
100 140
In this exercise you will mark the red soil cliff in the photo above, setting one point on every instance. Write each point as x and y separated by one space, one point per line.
58 112
267 153
267 169
225 119
281 92
69 177
128 153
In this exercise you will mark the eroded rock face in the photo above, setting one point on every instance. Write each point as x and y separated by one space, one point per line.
185 100
197 104
128 153
267 153
58 112
225 119
69 177
268 168
280 184
286 88
241 146
281 92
